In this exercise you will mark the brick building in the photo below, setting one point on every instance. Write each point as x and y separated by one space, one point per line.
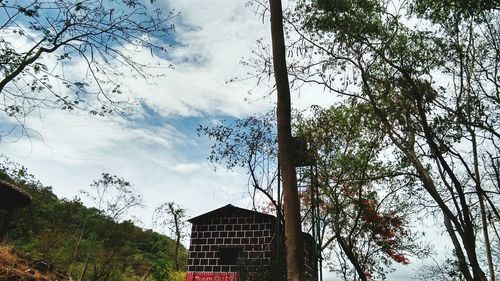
231 241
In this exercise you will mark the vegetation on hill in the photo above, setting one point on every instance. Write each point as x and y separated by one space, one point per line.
83 242
15 266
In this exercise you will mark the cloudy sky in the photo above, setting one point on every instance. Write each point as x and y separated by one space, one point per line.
158 150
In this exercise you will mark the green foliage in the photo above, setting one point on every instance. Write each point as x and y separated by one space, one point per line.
361 17
443 11
50 228
357 201
427 73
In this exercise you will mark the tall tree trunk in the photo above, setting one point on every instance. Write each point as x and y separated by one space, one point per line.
177 245
352 257
176 218
293 231
75 251
462 263
482 208
85 267
464 227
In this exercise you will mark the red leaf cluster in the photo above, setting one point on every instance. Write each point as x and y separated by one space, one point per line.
387 229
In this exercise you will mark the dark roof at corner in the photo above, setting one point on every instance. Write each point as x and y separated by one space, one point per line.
12 196
228 209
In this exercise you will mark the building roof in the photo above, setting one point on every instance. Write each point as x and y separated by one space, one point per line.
12 196
229 209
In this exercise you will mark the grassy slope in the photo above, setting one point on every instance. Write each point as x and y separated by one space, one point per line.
13 266
50 228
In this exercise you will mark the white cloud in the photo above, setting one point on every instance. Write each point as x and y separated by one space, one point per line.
75 148
214 36
186 168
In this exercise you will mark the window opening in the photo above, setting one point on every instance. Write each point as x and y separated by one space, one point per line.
229 256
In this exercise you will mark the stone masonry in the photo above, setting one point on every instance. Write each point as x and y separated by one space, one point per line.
230 230
225 238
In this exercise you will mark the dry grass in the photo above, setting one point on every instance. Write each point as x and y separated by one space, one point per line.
7 254
14 267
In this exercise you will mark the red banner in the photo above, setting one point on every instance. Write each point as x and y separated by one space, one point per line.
212 276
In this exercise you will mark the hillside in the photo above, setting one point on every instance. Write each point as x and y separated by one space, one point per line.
70 238
13 266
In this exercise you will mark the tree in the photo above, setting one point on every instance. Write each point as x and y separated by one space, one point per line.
360 209
173 217
76 52
113 197
433 89
249 143
293 229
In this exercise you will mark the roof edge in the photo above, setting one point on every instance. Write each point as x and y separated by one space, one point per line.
191 220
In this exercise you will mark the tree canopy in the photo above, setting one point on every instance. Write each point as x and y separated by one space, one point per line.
424 77
427 72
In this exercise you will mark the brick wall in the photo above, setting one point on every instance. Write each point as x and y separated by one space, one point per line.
249 234
310 258
248 237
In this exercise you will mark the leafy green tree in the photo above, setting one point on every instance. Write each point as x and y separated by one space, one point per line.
360 210
427 71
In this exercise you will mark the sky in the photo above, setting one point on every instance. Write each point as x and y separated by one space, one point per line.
158 149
